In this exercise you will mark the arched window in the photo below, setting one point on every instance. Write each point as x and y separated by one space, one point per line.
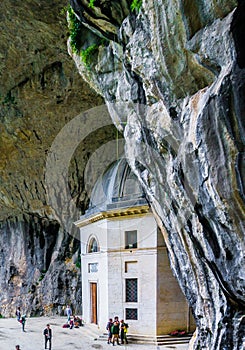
93 246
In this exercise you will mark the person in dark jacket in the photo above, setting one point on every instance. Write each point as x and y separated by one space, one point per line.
47 336
23 322
108 328
18 314
123 332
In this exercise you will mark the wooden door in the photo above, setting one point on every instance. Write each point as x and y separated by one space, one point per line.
93 300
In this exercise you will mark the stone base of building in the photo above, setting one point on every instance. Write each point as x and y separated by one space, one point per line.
156 340
159 340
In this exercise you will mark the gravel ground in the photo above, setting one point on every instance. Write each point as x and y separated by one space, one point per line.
83 338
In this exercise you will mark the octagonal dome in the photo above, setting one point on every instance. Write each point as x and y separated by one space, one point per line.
117 187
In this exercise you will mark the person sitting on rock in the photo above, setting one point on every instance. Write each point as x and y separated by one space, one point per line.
77 322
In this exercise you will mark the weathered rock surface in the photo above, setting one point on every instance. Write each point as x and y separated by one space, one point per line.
174 81
40 93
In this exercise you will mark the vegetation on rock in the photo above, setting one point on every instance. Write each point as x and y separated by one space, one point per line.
87 55
136 5
91 3
75 30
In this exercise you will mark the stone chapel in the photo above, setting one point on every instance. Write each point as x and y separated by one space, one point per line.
125 266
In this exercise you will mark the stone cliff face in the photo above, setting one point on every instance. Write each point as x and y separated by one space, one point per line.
172 75
40 92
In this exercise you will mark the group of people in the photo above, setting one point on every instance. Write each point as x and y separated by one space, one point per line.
47 331
117 330
72 321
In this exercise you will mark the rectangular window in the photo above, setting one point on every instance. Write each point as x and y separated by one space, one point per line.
93 267
130 239
131 290
131 267
131 314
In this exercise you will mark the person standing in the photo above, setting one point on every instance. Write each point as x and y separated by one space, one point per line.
18 314
47 336
68 313
17 347
23 322
59 308
108 328
115 331
123 332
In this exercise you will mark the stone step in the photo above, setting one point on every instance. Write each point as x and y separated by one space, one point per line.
161 340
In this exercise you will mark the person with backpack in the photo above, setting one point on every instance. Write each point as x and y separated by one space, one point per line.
123 332
108 328
23 322
115 331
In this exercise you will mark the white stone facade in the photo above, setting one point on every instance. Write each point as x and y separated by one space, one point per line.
125 267
160 305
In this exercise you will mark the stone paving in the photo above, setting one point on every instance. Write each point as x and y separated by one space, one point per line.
83 338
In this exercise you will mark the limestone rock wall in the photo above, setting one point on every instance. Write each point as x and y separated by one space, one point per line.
39 268
173 81
40 92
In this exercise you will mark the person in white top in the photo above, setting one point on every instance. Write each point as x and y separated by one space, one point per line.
68 313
